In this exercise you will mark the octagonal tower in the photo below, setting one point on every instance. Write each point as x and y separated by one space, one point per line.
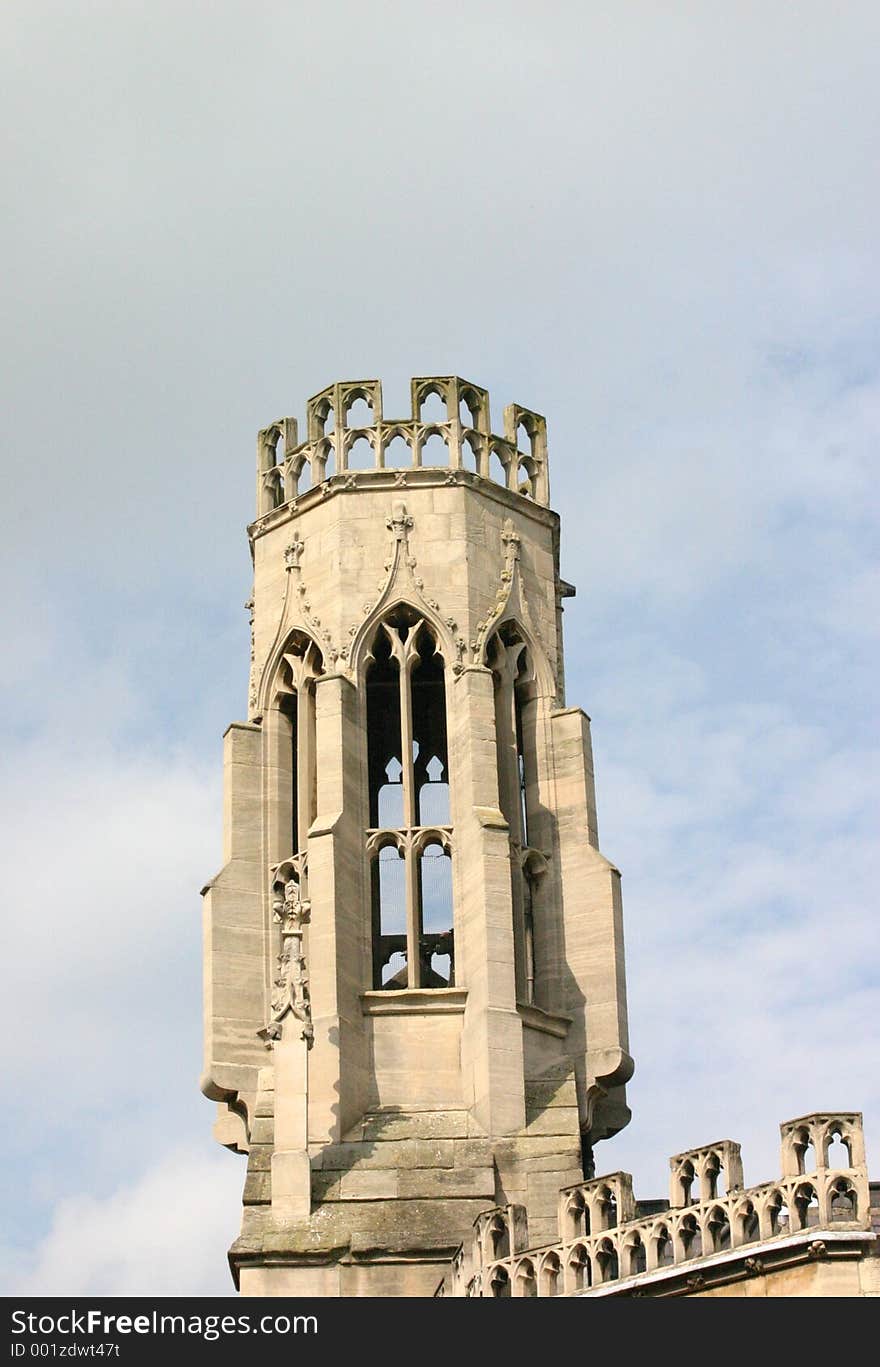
414 973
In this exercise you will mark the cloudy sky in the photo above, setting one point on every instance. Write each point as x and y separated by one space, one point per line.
655 222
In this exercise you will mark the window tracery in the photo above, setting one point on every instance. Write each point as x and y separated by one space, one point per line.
409 839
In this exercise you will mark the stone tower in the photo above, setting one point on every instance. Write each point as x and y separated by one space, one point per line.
414 973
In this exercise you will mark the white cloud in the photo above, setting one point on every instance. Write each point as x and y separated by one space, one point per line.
160 1234
747 843
105 844
104 853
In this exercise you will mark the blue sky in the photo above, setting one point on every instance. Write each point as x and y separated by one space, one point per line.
656 224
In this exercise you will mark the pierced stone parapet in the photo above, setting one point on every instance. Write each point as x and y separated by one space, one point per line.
603 1240
807 1141
341 439
702 1174
597 1205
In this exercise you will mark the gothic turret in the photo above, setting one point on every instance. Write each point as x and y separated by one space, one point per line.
414 984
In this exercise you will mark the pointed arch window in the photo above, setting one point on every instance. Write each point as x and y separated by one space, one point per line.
515 691
290 730
291 736
409 840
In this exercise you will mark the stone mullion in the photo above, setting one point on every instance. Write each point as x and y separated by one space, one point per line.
409 819
406 742
413 914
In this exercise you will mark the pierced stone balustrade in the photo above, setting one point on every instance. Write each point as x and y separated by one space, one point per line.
461 440
603 1240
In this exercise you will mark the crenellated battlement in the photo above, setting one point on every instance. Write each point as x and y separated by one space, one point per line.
347 431
604 1237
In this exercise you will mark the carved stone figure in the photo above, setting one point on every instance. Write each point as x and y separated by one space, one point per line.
291 982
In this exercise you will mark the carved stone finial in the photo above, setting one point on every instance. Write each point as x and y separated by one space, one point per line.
399 522
511 538
252 678
292 553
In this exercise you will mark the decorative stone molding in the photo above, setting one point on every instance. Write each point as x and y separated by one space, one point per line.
414 840
511 604
292 558
415 1001
402 583
252 676
293 553
511 542
295 615
291 984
